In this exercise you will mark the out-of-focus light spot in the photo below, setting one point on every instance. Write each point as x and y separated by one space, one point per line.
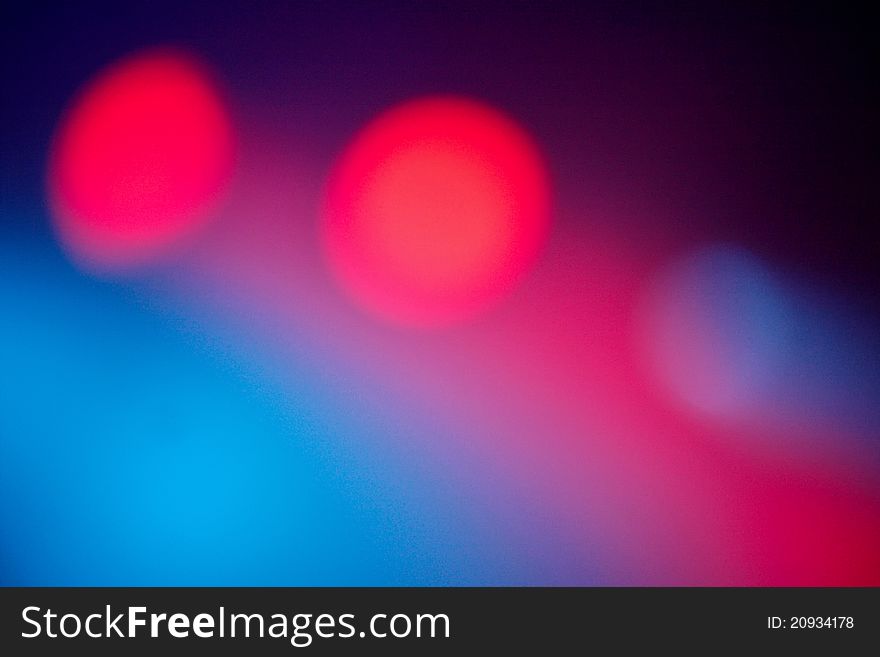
435 210
716 329
139 159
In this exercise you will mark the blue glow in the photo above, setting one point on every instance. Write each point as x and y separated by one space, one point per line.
720 326
133 452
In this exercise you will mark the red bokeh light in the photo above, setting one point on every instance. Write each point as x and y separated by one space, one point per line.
139 159
435 210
